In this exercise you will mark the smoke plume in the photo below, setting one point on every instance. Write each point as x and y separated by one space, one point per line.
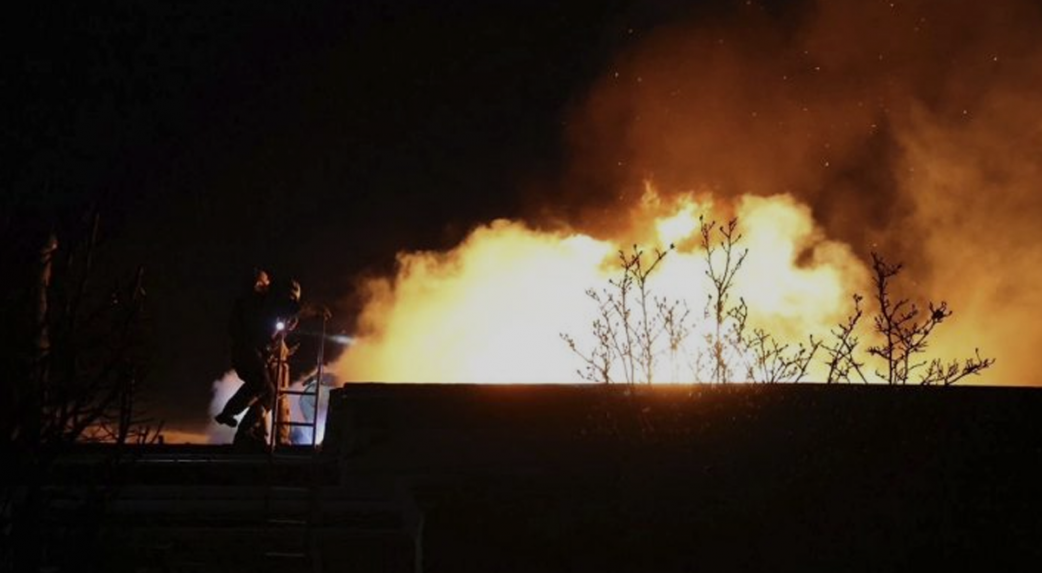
911 128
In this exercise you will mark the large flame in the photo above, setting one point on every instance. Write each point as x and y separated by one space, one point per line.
832 129
491 309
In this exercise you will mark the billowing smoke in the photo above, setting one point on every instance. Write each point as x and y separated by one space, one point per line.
301 408
911 128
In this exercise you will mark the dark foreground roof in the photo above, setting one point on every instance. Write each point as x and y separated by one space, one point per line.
838 478
565 478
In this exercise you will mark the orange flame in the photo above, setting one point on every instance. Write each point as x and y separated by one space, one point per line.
930 160
491 309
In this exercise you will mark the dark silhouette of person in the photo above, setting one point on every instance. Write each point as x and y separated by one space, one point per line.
250 339
260 320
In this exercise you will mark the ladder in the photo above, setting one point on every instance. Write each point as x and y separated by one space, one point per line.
282 420
297 526
293 517
292 524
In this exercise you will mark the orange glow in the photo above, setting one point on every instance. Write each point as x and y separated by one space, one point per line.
491 309
827 137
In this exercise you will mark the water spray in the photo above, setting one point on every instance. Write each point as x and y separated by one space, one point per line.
341 339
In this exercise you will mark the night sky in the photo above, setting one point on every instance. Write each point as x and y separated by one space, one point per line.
314 140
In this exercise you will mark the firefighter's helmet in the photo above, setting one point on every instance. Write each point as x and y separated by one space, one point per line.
261 281
293 290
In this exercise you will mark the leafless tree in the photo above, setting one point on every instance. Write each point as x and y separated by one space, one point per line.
598 362
946 374
649 325
774 362
630 324
723 261
675 317
905 333
74 373
842 362
88 354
